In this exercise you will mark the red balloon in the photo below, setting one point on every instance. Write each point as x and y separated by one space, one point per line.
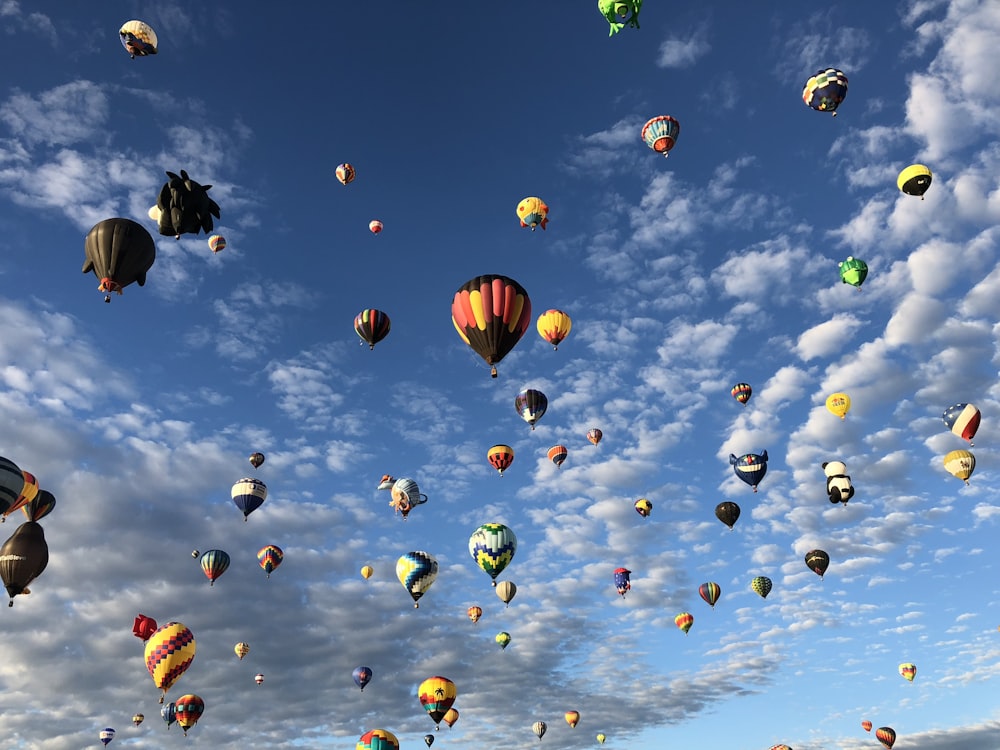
143 627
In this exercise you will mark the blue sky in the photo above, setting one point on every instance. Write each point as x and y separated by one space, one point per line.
683 276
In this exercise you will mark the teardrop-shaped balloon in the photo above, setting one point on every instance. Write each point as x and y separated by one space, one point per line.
41 506
256 459
491 314
492 546
214 563
554 326
362 676
502 639
269 557
506 591
818 561
531 404
539 728
249 494
474 612
761 585
572 718
189 708
416 571
23 557
241 649
728 512
168 653
887 736
372 326
437 694
960 464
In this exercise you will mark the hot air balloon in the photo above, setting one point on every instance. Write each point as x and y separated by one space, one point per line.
241 649
345 173
601 737
500 457
531 405
214 563
817 561
474 612
184 207
169 713
256 459
195 554
428 739
450 717
375 226
216 243
886 735
23 557
416 571
866 725
780 747
572 718
248 495
41 506
169 652
622 581
106 735
491 313
137 719
367 571
750 467
660 133
853 271
362 676
643 507
839 404
506 591
611 8
138 38
377 739
960 464
963 420
908 671
727 512
761 585
492 546
118 252
594 435
742 392
502 639
143 627
684 621
437 694
29 491
188 709
825 90
270 556
710 593
532 212
554 326
539 728
914 180
259 678
406 496
557 454
372 326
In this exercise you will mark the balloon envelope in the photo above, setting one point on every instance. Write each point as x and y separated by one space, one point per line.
742 392
594 435
557 454
118 252
378 739
437 694
539 728
825 90
533 212
643 507
963 420
168 654
914 180
710 592
506 591
138 38
188 709
372 326
492 546
269 557
106 735
818 561
491 314
500 457
660 133
345 173
886 735
248 494
416 571
572 717
362 676
853 271
761 585
531 405
214 563
474 612
241 649
23 557
554 326
960 464
728 513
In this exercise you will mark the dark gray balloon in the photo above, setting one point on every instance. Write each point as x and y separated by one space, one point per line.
119 251
23 557
185 207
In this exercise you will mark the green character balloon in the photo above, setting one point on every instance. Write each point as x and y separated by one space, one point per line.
614 9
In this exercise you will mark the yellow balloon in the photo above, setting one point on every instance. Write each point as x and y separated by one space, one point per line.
914 180
366 572
169 652
242 649
960 464
839 404
554 326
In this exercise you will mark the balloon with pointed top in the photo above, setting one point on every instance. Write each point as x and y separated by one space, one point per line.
825 90
269 557
214 563
750 467
684 621
372 326
532 212
761 585
963 420
728 512
249 494
138 39
660 133
960 464
500 457
416 571
491 314
914 180
710 592
817 561
554 326
742 392
345 173
557 454
643 507
188 709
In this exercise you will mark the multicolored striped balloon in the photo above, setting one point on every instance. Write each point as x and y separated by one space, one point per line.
377 739
270 557
416 571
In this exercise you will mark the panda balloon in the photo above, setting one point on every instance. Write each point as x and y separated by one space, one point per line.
838 483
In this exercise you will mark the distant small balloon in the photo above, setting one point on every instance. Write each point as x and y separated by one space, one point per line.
216 243
256 459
